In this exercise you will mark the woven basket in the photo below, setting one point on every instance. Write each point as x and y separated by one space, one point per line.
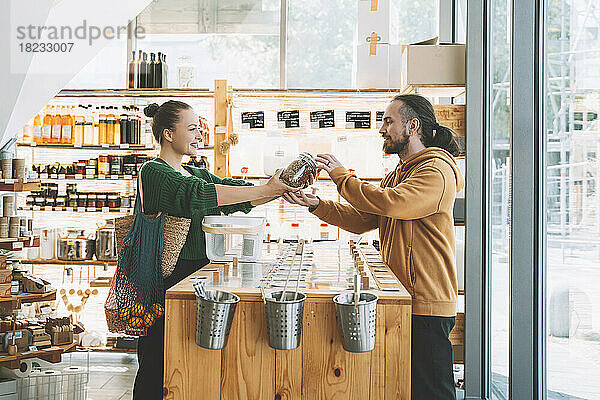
176 230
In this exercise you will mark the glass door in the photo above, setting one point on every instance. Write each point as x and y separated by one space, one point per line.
572 173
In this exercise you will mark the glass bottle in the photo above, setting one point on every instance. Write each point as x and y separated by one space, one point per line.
37 129
96 140
152 71
56 126
139 70
66 126
111 122
165 72
79 126
88 127
102 126
144 71
28 132
132 75
47 125
158 78
123 120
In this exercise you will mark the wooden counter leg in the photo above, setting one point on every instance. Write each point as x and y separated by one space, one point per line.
397 343
188 367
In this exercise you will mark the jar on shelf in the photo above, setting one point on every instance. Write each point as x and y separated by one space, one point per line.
71 188
101 200
61 201
73 200
126 202
40 201
103 164
30 200
115 165
91 200
299 172
80 168
113 200
50 201
82 200
129 165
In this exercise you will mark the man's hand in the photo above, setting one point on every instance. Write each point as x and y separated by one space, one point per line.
328 162
302 199
276 187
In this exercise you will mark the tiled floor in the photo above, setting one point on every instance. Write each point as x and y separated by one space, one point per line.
111 374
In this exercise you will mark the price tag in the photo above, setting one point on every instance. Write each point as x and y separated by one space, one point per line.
33 348
25 180
80 209
9 181
44 176
128 177
114 177
77 145
62 176
33 144
123 209
101 176
92 209
17 245
105 145
78 176
48 208
342 139
69 209
90 176
124 145
36 208
105 209
53 176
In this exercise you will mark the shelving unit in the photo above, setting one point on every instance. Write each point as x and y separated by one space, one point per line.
19 243
52 354
77 209
15 301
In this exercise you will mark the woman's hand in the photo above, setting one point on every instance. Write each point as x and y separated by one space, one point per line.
302 199
328 162
276 187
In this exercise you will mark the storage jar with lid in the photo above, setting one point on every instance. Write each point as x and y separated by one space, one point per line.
113 201
299 172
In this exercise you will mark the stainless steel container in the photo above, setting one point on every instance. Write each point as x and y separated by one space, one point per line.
106 243
75 246
213 318
284 319
357 322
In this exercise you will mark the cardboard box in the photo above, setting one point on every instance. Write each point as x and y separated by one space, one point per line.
377 20
5 276
451 115
379 70
5 290
439 64
36 284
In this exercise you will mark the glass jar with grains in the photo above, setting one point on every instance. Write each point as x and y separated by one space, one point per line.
300 171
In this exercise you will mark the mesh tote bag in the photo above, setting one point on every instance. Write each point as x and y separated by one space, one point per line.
136 297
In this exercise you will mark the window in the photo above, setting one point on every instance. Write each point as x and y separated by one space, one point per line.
572 102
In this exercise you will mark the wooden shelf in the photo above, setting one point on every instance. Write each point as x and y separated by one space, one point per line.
435 90
76 210
158 92
19 243
94 147
17 185
15 302
80 177
106 349
52 355
56 261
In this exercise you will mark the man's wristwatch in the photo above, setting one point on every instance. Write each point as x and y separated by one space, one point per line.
313 208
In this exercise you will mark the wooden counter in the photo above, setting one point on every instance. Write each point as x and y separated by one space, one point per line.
247 368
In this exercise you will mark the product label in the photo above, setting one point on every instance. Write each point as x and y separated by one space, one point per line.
53 176
56 131
48 208
9 181
105 145
36 208
62 176
47 131
114 177
128 177
17 245
358 119
288 119
322 119
93 209
37 131
44 176
78 176
69 209
80 209
124 145
105 209
252 120
101 176
66 131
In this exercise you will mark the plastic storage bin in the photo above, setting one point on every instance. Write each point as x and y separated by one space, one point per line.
228 237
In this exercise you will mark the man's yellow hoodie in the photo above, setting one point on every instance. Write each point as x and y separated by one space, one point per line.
413 210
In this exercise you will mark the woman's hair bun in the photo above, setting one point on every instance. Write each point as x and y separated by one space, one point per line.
150 110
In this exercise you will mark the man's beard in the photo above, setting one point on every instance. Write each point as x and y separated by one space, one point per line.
395 147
